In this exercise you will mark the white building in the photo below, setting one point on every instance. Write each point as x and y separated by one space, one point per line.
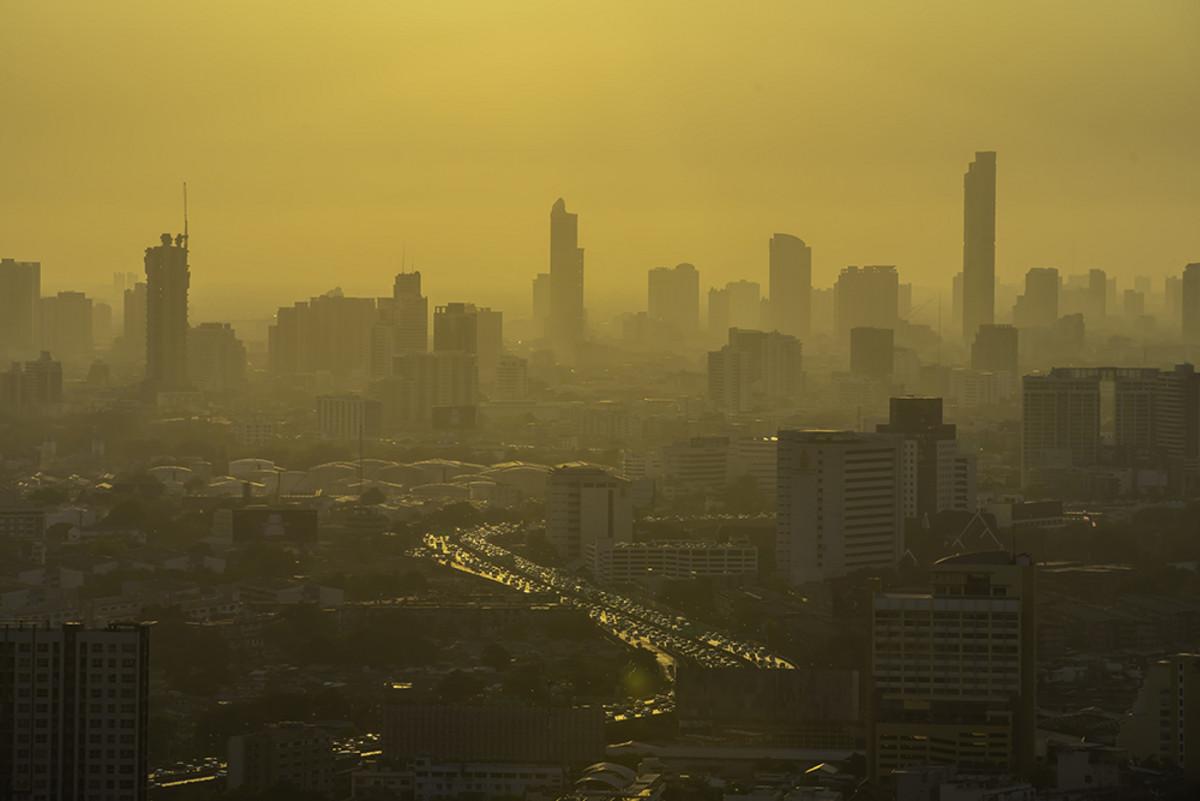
840 499
678 559
585 505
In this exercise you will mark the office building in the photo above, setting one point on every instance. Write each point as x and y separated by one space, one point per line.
1096 306
216 358
167 281
1173 300
75 707
401 324
33 387
1060 421
133 322
1189 303
937 477
872 352
437 390
718 314
1133 303
512 379
979 244
102 325
1038 306
1165 722
20 294
673 298
954 669
541 303
567 317
66 322
840 505
866 297
755 370
296 755
348 418
790 285
587 505
695 466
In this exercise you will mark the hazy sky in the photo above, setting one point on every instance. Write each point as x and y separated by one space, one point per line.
320 139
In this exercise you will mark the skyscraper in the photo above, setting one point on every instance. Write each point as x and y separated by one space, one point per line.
790 276
1038 307
167 281
673 297
996 349
979 244
566 279
410 313
541 302
840 504
75 706
66 322
866 297
937 466
20 291
1190 303
133 330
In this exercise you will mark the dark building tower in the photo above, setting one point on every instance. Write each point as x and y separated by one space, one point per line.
673 298
995 350
919 419
979 244
566 278
167 281
790 285
872 352
20 292
1190 302
410 311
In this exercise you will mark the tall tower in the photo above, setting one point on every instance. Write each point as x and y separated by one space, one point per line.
167 281
566 278
790 288
979 244
1190 303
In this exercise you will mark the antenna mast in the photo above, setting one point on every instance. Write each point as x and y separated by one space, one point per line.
185 216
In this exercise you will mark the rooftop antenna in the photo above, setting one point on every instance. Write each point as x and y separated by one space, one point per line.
185 216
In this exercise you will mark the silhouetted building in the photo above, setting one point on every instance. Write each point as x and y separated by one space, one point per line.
216 358
167 281
1038 307
541 302
1133 303
102 325
74 707
587 505
996 349
979 244
402 325
937 477
20 293
429 390
1190 303
67 325
756 370
1163 724
298 756
567 316
673 297
790 277
32 387
840 504
866 297
512 379
954 670
872 352
330 333
133 329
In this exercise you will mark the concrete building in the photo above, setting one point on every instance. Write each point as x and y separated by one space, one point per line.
541 302
75 710
670 559
954 669
299 755
996 349
402 325
937 477
133 323
872 352
1189 303
1165 721
348 418
330 333
673 298
66 322
32 387
216 358
587 505
840 504
979 244
167 282
790 285
866 297
567 323
755 370
20 294
1038 306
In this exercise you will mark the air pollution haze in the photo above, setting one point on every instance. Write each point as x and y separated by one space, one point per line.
322 143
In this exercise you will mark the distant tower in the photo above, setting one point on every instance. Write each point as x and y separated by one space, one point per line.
167 281
790 276
1190 303
566 278
979 244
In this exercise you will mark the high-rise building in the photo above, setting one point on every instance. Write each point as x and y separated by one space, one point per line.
937 477
866 297
745 304
979 244
102 325
718 314
954 670
20 293
996 349
33 386
296 755
467 328
673 298
541 302
1173 299
330 333
586 505
1038 307
429 390
756 370
167 281
790 277
216 358
1190 303
872 352
1165 721
67 325
133 329
567 316
74 710
512 379
348 418
1060 421
402 324
840 503
1097 296
1133 303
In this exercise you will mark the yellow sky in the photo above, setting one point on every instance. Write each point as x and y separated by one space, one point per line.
319 139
